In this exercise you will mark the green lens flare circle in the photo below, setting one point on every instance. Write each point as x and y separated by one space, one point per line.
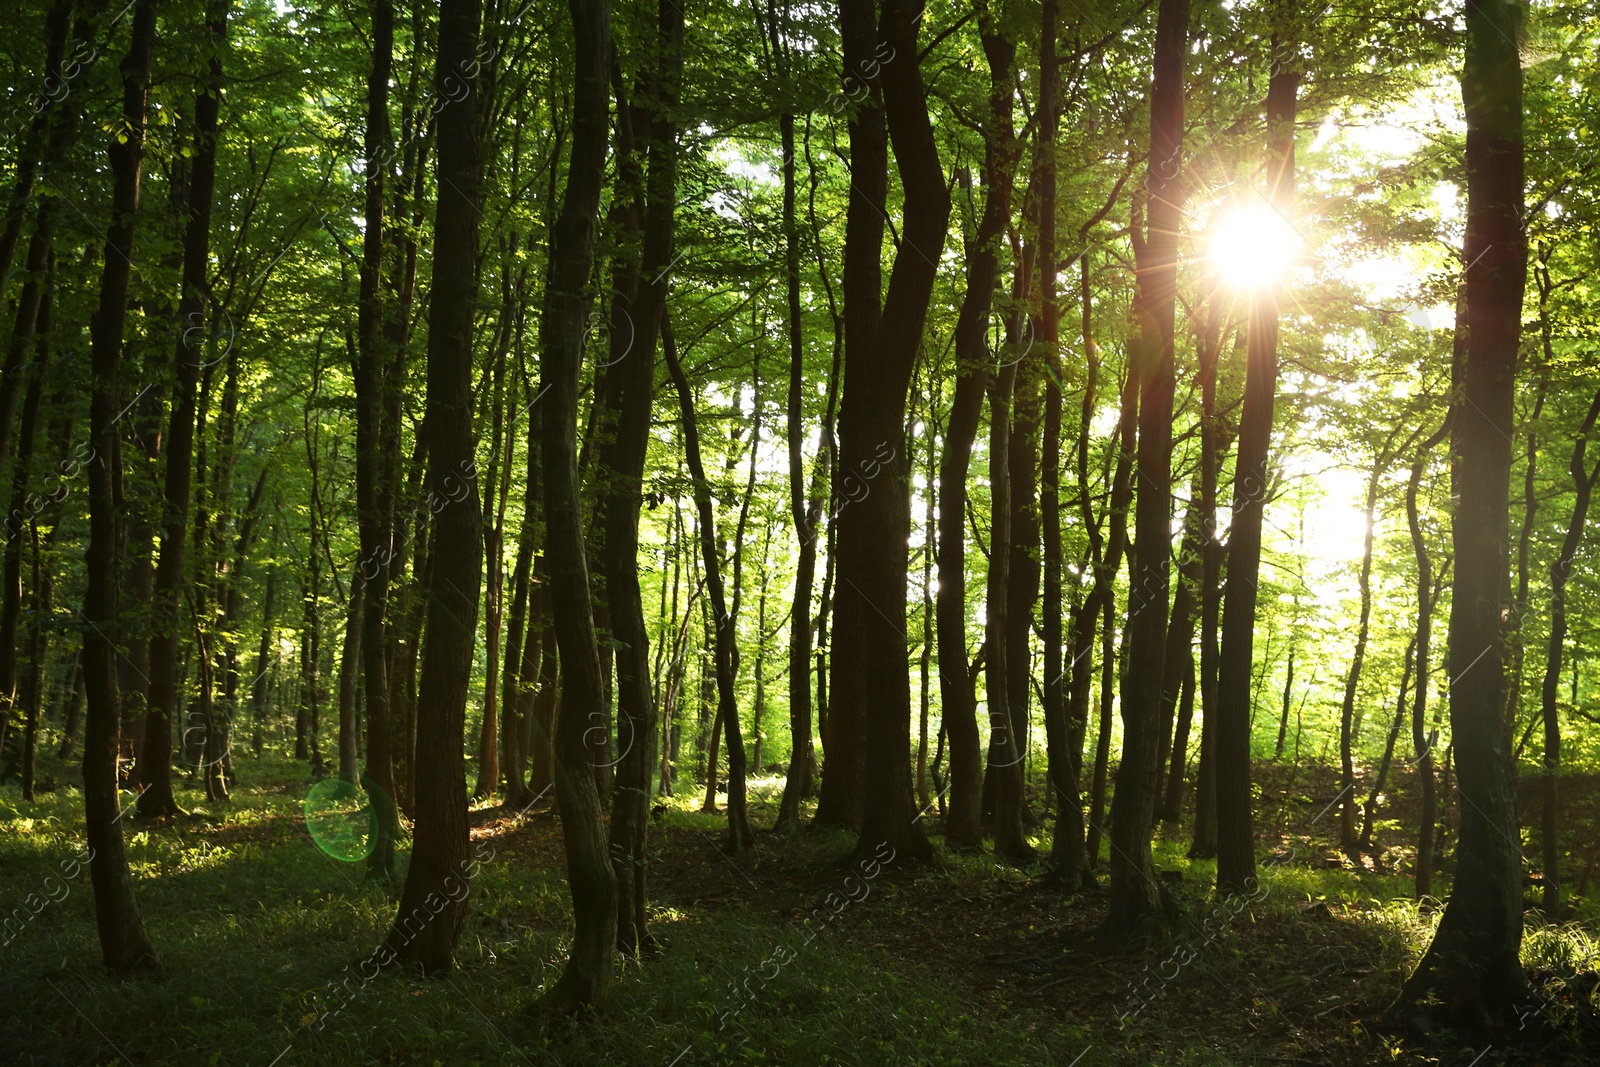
338 820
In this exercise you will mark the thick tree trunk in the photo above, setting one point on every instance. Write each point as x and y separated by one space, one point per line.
1472 967
439 835
880 351
123 945
588 969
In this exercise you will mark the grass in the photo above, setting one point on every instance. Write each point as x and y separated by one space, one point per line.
967 962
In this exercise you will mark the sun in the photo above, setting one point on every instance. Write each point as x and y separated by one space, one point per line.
1253 246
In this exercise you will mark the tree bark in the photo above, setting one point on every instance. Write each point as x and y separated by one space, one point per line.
1005 746
1236 864
1560 570
374 485
155 754
1472 965
880 351
588 969
957 704
1135 894
636 707
439 833
724 650
123 944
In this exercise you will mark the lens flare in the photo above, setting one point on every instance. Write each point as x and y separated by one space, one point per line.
1253 246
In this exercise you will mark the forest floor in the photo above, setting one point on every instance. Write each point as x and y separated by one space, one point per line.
963 962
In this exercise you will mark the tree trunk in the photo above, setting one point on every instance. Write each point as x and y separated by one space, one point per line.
1472 965
727 713
1370 810
636 707
28 155
1348 719
374 474
880 351
1005 746
1236 865
1203 844
957 705
349 659
588 969
1135 894
123 945
805 508
1560 569
439 834
155 755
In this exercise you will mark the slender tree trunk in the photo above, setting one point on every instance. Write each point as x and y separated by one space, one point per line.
1203 844
1180 642
805 509
1236 865
374 487
21 516
266 659
1370 809
957 705
593 882
1288 701
513 754
123 945
636 707
439 835
1471 971
727 713
349 660
1005 746
1560 569
1349 725
28 157
494 582
1135 894
156 751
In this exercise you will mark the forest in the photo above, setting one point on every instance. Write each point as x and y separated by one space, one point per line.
770 532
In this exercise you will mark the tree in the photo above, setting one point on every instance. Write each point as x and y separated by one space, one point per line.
1583 480
636 707
588 969
957 704
1135 894
1235 839
123 944
1472 965
439 836
879 358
